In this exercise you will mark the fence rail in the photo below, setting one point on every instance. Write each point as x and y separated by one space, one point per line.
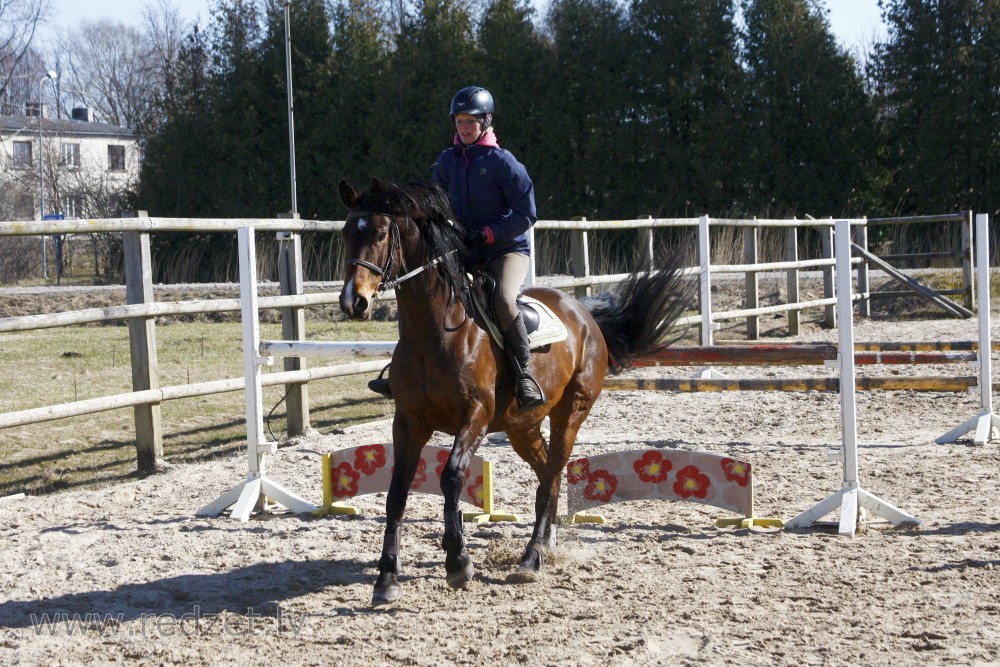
142 310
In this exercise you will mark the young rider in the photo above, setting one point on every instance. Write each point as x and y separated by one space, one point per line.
494 200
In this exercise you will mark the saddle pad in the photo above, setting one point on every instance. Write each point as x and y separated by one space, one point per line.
550 328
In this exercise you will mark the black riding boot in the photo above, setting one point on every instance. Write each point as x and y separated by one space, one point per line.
380 385
529 392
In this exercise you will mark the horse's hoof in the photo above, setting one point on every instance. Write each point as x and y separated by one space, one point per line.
386 594
523 575
460 578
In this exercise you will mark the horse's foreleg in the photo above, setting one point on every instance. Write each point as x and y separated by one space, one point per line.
457 564
387 587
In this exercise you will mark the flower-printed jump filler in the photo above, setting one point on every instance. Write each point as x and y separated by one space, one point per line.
345 481
420 476
666 474
691 482
652 468
369 458
736 471
601 486
578 471
358 471
474 491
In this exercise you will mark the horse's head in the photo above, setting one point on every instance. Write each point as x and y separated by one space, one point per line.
371 251
390 228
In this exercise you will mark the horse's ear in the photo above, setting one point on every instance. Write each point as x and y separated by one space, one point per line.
348 195
377 185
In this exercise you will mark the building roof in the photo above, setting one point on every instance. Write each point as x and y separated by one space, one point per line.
64 127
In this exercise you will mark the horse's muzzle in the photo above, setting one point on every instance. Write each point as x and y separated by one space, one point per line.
356 307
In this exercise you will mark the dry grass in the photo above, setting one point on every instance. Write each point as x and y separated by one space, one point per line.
53 366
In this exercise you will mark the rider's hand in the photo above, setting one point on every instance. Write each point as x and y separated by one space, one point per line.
477 238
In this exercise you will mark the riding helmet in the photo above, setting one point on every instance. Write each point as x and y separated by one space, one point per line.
472 100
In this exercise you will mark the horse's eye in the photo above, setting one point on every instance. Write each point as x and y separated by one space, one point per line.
380 235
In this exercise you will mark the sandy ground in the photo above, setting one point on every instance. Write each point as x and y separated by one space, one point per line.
657 584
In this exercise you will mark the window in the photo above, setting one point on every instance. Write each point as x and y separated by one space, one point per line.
22 155
72 206
116 158
71 156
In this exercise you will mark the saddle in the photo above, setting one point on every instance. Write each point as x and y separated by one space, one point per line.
542 325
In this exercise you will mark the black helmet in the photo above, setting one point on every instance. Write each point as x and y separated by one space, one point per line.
472 100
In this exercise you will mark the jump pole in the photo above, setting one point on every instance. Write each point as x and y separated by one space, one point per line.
257 488
851 497
986 423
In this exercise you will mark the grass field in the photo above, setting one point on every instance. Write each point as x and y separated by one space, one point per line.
53 366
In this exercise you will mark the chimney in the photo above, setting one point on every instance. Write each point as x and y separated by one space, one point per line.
31 110
84 114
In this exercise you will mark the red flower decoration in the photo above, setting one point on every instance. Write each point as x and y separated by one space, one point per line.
578 471
691 482
736 471
370 458
345 480
475 492
443 456
652 468
601 486
420 476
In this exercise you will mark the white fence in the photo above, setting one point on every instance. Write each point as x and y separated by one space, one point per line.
141 309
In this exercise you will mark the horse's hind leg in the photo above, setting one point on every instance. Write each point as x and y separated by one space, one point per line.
548 464
458 564
407 456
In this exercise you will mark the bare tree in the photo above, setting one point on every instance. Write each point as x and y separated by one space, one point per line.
120 71
103 68
19 24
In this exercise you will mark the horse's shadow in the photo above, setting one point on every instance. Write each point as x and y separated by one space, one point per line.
259 589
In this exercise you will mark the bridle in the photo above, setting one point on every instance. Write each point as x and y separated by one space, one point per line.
387 283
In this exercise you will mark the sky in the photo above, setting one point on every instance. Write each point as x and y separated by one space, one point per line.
855 22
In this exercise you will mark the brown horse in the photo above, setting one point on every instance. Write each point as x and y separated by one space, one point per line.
448 376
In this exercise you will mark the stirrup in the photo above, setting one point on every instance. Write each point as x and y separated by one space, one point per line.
380 385
527 402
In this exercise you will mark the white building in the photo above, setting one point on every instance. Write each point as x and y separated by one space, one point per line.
86 167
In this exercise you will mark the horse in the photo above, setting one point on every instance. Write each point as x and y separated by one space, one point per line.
448 376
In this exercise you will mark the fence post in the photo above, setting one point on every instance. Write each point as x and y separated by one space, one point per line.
644 244
293 327
581 258
142 346
826 247
705 264
752 280
792 277
861 238
968 269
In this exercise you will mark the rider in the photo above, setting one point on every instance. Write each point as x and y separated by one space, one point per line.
494 200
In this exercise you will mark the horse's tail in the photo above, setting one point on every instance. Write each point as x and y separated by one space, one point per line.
637 317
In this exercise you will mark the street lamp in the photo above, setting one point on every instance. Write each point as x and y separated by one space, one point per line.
50 75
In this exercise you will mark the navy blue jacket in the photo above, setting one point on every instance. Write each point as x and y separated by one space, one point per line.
488 189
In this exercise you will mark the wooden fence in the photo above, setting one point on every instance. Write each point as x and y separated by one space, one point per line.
141 309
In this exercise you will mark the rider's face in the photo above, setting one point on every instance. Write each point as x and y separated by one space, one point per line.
468 128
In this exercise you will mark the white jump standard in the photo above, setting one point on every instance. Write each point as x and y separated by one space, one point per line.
986 423
254 492
851 497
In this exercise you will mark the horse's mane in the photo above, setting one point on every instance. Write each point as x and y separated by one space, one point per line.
428 203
